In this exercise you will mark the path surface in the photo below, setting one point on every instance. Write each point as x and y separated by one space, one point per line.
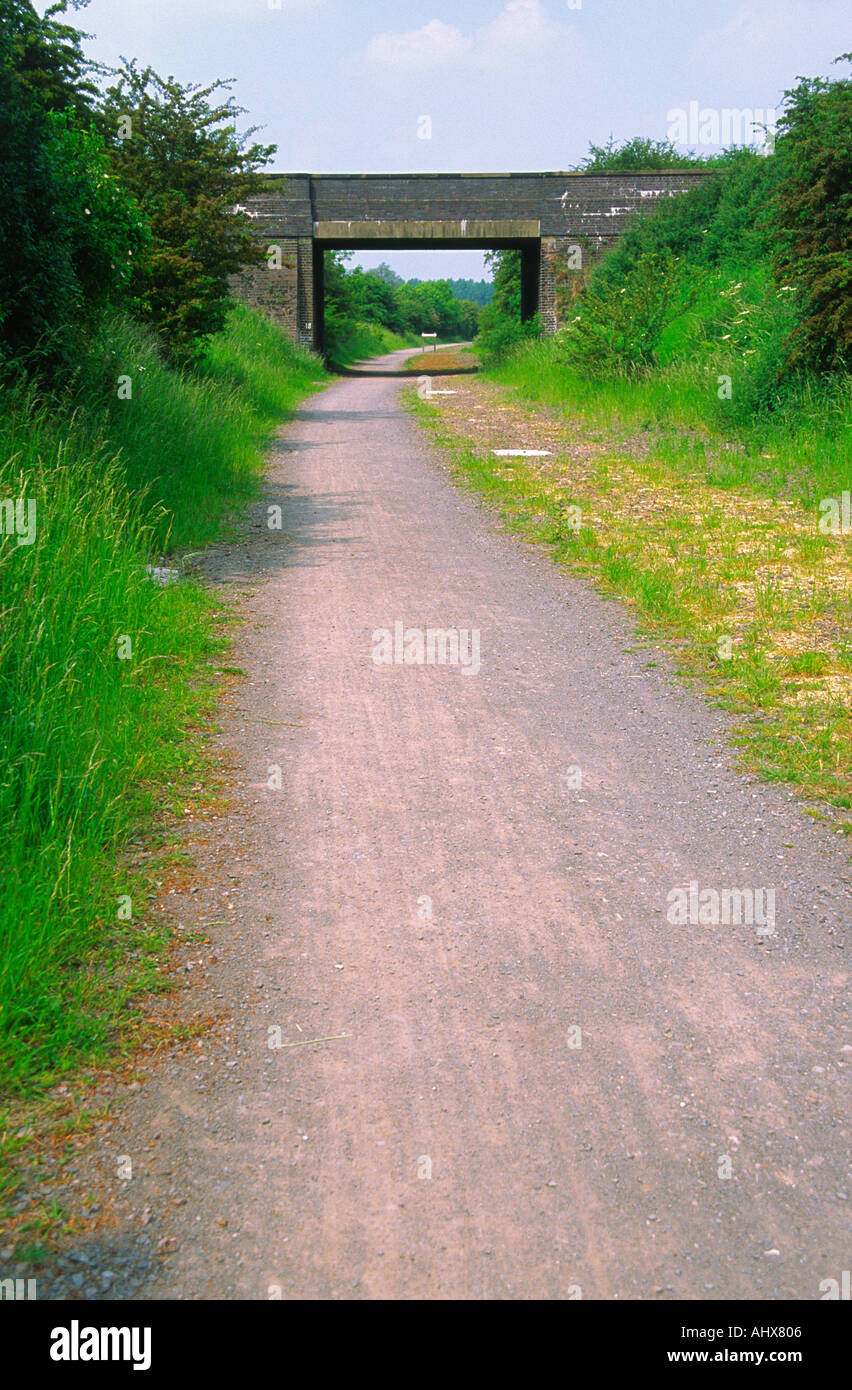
554 1167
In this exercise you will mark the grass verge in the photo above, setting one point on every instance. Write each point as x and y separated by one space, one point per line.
348 341
754 599
107 680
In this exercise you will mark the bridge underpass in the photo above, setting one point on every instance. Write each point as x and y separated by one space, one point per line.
560 222
438 236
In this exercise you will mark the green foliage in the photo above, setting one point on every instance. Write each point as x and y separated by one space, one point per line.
813 205
506 299
618 327
68 231
736 324
368 313
190 441
47 56
373 299
94 745
638 154
390 277
726 219
722 310
189 170
479 292
499 335
500 327
431 307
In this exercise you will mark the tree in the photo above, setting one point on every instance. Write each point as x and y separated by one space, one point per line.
48 59
68 231
390 277
375 298
638 154
813 204
431 307
177 150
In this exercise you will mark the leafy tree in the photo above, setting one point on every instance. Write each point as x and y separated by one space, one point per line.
176 148
430 306
68 232
375 299
340 310
390 277
507 282
813 204
477 291
47 56
500 326
638 154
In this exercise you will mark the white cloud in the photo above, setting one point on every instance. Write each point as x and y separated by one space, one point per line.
420 49
493 92
524 27
521 34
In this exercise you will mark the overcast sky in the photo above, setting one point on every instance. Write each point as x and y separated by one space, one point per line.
344 85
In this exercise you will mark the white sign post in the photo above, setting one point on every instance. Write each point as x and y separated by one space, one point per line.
424 336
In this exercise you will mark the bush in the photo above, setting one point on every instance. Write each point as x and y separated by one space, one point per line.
68 231
637 154
179 154
499 335
813 203
618 327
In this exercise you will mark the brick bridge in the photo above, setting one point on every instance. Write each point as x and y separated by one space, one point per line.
557 221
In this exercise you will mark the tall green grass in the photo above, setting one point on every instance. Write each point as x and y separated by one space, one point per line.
103 674
800 448
191 442
350 341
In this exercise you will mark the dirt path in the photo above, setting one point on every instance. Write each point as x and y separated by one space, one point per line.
415 789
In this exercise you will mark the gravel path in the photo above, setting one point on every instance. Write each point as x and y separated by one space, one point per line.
529 1083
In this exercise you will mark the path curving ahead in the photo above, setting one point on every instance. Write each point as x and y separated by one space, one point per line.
533 1085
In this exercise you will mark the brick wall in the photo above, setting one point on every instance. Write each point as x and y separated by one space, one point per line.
273 291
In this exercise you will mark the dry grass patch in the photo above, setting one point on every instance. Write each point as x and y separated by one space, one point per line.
756 601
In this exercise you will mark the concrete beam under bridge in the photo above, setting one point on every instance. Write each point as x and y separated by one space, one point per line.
459 230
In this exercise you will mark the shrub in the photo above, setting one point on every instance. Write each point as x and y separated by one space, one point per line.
813 203
68 231
178 152
618 327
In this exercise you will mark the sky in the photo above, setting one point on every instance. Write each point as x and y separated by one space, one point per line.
393 86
